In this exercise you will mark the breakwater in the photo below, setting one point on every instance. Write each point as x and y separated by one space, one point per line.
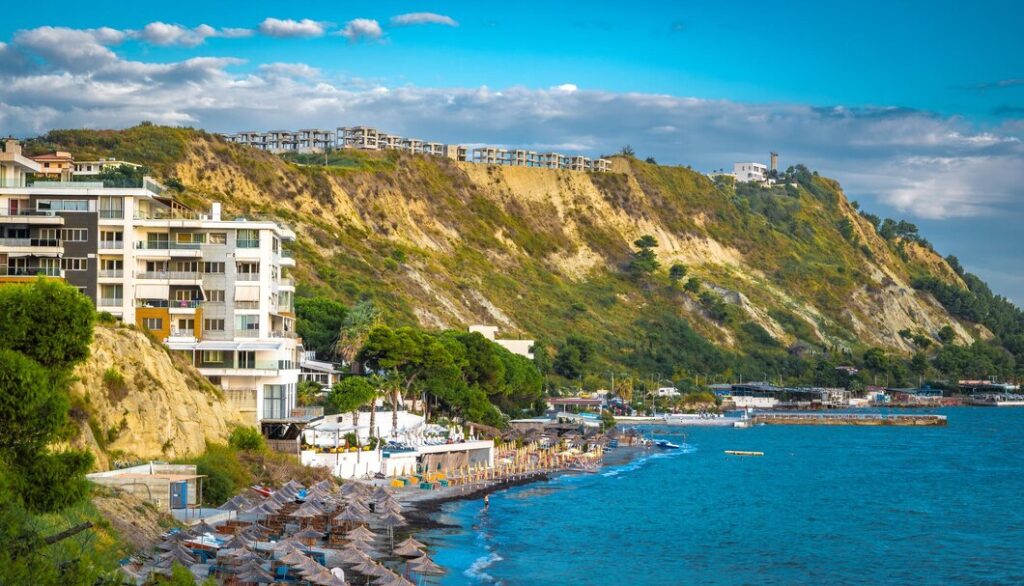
866 419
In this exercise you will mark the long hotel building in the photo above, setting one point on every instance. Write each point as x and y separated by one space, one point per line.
213 289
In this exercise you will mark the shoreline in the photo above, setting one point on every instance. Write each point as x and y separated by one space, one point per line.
424 508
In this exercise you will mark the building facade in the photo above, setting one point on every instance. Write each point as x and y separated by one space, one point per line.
750 172
213 289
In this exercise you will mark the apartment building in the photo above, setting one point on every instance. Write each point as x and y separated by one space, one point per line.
750 172
93 168
213 289
357 137
59 165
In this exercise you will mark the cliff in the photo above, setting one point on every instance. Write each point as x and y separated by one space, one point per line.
133 401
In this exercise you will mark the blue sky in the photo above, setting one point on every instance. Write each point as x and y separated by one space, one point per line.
916 107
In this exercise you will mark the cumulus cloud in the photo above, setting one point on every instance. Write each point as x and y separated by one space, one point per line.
300 70
290 29
926 165
414 18
164 34
361 28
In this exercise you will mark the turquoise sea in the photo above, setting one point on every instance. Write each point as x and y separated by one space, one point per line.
825 505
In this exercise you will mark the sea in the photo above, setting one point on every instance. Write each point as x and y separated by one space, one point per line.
824 505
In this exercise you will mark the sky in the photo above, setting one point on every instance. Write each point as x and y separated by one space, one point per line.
917 108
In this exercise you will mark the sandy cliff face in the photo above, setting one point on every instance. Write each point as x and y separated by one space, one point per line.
159 409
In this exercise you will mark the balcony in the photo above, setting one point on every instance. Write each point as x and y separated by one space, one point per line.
169 275
178 333
111 245
111 214
111 301
247 244
30 272
185 303
111 274
31 242
285 283
247 276
282 334
167 245
247 305
151 303
45 217
247 333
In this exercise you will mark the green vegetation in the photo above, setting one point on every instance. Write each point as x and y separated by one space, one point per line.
247 438
319 324
45 332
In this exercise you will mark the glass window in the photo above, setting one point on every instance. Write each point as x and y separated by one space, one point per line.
153 323
212 356
248 239
211 268
74 264
217 238
216 295
213 325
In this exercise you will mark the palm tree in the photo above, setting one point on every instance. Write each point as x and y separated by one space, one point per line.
357 324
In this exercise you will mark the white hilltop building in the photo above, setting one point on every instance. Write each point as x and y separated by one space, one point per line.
520 347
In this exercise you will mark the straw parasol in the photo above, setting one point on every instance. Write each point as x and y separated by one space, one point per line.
254 573
424 566
201 528
308 536
361 532
412 542
352 556
408 551
351 515
371 568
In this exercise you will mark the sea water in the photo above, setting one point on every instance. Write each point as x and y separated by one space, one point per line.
824 505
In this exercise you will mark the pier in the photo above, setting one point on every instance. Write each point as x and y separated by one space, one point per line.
867 419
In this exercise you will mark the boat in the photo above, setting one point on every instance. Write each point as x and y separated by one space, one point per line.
743 453
666 445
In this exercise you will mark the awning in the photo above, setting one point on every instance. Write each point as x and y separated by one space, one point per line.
151 291
208 345
181 346
36 254
259 346
247 293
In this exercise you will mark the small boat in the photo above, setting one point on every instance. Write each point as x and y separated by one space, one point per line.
743 453
666 445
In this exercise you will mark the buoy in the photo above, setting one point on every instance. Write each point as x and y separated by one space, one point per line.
742 453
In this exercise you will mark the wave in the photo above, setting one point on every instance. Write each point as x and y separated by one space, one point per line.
476 569
641 462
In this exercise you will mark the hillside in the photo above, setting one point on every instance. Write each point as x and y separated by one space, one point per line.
134 402
545 254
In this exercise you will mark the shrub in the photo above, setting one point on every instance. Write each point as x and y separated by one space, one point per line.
247 439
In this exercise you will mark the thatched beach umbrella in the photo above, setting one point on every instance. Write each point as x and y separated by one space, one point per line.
371 568
411 541
361 532
201 528
352 556
424 566
255 575
308 536
408 551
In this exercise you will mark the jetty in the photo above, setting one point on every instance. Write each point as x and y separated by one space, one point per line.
866 419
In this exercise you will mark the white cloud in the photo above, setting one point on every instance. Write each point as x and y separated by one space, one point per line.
163 34
288 28
925 165
361 28
289 70
414 18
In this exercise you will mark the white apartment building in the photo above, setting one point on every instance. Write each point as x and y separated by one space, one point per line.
93 168
211 288
750 172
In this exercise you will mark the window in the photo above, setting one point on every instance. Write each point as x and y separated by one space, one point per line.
190 238
74 264
112 292
215 356
215 295
158 241
217 238
213 268
49 233
247 322
246 360
111 239
247 268
277 400
248 239
186 295
185 266
111 264
111 207
213 325
74 234
153 323
156 266
62 205
187 324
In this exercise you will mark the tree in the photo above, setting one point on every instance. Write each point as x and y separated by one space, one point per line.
358 323
947 334
351 393
45 331
627 151
692 285
320 321
676 272
644 260
651 161
574 355
876 359
123 176
308 392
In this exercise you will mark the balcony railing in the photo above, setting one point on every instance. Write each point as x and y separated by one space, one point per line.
166 245
247 244
247 305
22 213
178 333
282 334
111 244
111 214
42 242
151 303
111 274
30 272
111 301
165 214
247 333
285 283
247 276
287 254
169 275
268 365
185 303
